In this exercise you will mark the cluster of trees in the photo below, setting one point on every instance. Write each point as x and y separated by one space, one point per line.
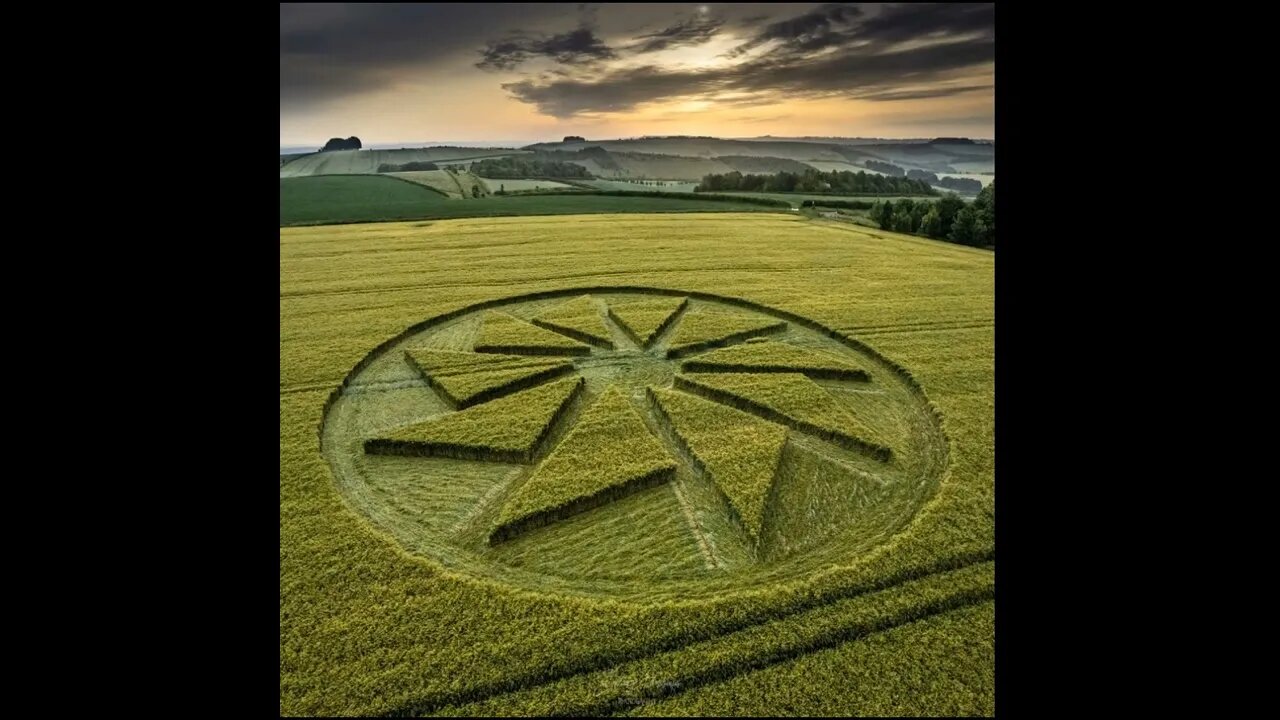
524 166
886 168
574 138
351 143
964 185
946 219
407 167
837 183
968 186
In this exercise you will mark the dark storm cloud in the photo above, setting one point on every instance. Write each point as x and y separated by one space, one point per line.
883 53
328 51
907 22
569 48
693 31
809 28
834 50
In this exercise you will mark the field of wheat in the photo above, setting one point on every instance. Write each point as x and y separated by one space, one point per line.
651 464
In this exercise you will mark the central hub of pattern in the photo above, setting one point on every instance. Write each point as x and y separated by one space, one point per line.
616 440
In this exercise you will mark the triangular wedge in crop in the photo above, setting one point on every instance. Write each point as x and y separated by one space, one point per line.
645 320
467 379
739 452
701 330
776 357
579 319
791 399
608 453
509 429
502 333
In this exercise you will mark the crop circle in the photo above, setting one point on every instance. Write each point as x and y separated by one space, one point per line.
638 443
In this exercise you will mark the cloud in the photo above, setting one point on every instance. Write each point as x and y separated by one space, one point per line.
811 28
694 31
901 53
331 51
575 46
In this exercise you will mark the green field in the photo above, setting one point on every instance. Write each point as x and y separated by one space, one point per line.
371 198
354 198
773 572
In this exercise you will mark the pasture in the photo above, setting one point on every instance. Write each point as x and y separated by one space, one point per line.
602 464
373 198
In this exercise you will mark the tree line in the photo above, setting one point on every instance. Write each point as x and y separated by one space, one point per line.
886 168
407 167
964 185
949 218
524 166
835 182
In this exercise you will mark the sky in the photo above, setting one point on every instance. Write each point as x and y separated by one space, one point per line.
390 73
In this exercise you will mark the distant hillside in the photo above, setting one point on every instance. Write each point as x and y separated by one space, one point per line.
686 159
367 162
707 148
922 154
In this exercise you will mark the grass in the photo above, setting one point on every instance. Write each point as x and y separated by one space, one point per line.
609 453
701 330
508 429
353 198
372 624
457 186
579 319
502 333
761 355
738 451
468 379
372 198
646 319
791 398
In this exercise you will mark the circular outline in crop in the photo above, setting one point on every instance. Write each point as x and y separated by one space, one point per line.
631 589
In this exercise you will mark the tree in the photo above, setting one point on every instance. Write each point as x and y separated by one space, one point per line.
883 214
986 208
965 228
351 143
931 223
948 207
902 221
475 191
